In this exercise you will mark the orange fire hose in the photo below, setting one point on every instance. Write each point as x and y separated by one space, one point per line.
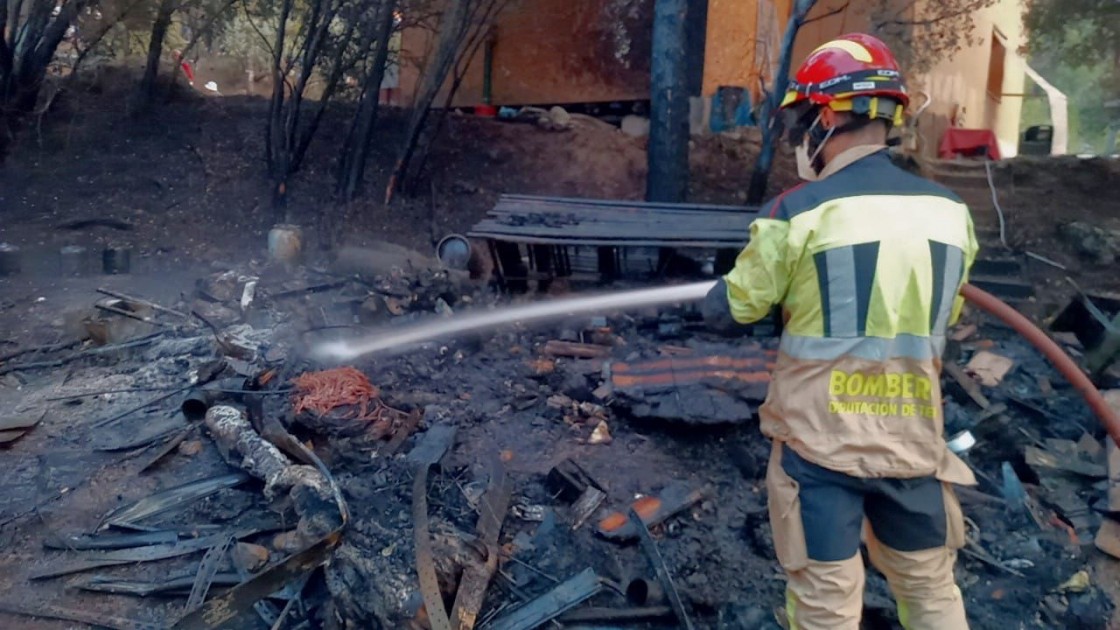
995 307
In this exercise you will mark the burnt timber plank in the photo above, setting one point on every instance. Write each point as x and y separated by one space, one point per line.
616 232
629 203
613 225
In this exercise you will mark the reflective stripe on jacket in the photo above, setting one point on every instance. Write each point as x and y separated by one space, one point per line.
867 265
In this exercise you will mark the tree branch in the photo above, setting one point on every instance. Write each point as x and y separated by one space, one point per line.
930 21
109 24
339 69
256 29
901 9
205 28
5 49
771 124
355 151
825 16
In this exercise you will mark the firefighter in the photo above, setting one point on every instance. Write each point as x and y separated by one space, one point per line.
188 69
865 261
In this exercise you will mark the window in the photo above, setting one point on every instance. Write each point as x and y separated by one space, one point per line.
995 66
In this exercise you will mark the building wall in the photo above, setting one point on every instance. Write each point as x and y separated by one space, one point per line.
577 51
742 42
957 84
962 81
553 51
828 19
729 57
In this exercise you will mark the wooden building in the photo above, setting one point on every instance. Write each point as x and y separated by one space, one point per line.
567 52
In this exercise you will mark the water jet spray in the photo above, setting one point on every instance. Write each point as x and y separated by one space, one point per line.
429 329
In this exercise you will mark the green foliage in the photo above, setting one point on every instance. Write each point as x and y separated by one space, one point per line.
249 31
1078 32
923 34
1075 44
127 26
1088 118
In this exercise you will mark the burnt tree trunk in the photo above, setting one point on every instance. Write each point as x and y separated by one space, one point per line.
319 53
667 151
28 41
770 121
667 154
480 32
355 151
155 50
276 145
453 27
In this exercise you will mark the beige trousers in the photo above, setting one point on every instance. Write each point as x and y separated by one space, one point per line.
829 595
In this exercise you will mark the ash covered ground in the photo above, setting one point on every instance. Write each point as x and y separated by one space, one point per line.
637 400
516 396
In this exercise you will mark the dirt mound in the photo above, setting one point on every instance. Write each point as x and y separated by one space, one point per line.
1064 209
592 159
1039 194
722 165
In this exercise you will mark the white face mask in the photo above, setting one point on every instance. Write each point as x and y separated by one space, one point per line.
805 168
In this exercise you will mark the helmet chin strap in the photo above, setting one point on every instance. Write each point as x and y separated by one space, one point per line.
818 135
814 134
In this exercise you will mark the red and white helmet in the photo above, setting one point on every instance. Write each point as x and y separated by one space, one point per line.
854 72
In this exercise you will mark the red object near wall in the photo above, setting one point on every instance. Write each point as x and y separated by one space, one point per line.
969 143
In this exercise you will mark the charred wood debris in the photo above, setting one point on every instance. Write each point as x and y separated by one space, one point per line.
600 472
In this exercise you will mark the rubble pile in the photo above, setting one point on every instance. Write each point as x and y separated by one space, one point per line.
599 470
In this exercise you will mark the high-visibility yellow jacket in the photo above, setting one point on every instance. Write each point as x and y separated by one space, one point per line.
866 264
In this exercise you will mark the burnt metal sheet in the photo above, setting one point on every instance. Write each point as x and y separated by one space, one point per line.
657 563
97 620
85 542
433 445
139 588
1096 322
1113 475
236 607
127 556
207 569
561 599
584 615
425 560
673 499
229 609
172 498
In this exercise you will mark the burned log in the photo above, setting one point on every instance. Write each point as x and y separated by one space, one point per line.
310 490
306 487
716 387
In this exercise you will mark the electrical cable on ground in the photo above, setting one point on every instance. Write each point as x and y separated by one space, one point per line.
1003 224
995 202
